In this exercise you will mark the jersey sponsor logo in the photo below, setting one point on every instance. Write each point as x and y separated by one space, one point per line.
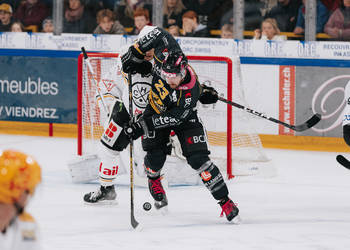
164 120
111 129
196 139
165 52
140 92
206 176
211 183
111 134
188 99
109 172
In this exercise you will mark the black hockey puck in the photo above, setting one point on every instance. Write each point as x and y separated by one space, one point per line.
147 206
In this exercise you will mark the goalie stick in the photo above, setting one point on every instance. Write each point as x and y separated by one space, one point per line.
134 223
299 128
343 161
93 77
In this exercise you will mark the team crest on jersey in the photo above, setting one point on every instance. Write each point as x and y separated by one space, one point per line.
140 91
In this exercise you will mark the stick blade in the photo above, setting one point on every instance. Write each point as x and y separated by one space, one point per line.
309 123
134 223
343 161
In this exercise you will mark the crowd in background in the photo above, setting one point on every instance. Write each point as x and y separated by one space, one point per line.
194 18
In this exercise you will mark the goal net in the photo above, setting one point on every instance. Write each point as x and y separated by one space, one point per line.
235 146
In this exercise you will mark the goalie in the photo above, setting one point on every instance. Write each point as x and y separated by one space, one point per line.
113 139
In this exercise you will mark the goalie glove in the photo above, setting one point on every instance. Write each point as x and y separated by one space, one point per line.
136 127
209 95
131 60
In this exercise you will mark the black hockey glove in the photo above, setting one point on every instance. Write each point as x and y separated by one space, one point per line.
131 60
144 68
136 127
209 95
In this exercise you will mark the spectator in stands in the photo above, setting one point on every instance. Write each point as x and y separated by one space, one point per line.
174 30
227 31
191 27
338 25
172 13
126 8
109 4
17 27
252 15
269 31
267 5
332 5
141 19
14 3
48 25
32 12
204 10
6 19
322 18
77 19
107 23
285 13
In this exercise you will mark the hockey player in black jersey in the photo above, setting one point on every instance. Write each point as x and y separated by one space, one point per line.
172 106
163 43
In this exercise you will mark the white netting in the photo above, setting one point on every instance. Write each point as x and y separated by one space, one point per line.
247 153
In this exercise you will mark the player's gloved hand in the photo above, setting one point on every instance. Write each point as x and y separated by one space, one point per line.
136 127
144 68
209 95
131 59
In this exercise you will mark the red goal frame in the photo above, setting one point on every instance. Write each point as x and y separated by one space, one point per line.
226 60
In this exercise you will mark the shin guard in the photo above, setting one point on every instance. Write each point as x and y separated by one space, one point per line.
213 180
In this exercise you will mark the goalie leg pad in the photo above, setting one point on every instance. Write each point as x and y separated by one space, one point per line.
213 180
84 169
154 162
110 166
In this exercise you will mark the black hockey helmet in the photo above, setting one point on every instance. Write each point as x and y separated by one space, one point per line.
174 64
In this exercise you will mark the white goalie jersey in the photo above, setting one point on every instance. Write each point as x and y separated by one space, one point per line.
113 87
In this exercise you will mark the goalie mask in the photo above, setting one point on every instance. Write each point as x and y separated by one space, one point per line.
174 65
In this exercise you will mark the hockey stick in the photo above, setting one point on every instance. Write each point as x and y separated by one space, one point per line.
93 77
301 127
343 161
134 223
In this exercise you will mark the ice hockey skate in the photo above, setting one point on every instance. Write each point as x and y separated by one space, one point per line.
230 210
104 195
157 191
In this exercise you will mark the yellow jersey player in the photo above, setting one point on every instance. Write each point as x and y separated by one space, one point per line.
19 176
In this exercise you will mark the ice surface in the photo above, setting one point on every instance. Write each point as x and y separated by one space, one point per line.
307 206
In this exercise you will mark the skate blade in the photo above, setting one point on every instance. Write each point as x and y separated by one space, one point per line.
237 220
102 203
161 208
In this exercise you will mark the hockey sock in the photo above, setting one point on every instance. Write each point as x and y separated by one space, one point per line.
213 180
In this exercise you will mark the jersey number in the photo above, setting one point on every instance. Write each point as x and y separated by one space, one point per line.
163 92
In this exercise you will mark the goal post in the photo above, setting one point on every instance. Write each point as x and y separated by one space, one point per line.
234 144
